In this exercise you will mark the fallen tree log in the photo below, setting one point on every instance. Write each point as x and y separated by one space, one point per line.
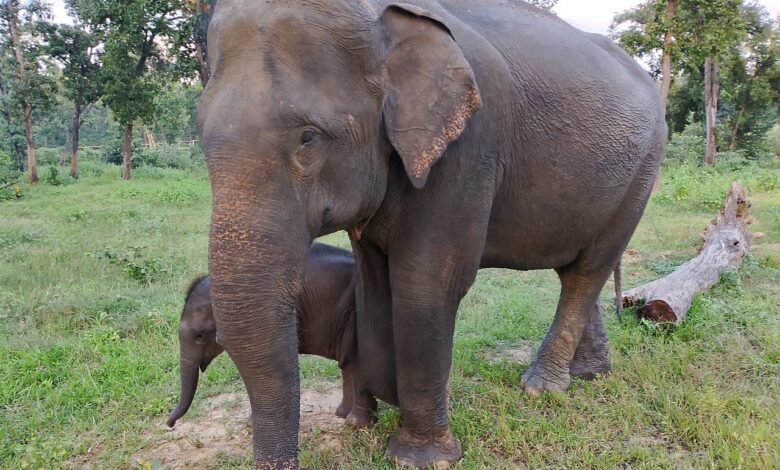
725 243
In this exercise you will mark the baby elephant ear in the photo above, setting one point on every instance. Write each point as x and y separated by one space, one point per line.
432 92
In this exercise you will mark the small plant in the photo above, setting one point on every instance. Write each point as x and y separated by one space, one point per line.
52 176
11 192
767 182
135 265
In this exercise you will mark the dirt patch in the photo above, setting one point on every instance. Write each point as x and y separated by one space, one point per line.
221 429
520 352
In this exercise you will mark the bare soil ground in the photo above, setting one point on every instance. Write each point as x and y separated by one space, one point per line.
221 429
521 352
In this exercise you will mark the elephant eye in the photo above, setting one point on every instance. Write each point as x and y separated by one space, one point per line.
308 136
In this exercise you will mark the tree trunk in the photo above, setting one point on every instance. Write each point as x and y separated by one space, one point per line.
75 131
203 66
18 155
150 142
32 166
204 11
735 129
127 149
725 244
711 95
667 58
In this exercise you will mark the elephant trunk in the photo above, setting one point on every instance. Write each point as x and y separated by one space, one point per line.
189 384
256 260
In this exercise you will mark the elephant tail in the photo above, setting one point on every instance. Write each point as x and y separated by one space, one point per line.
619 291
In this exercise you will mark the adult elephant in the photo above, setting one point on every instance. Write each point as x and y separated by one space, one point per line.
445 136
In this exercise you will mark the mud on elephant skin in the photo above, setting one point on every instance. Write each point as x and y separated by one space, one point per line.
326 318
446 136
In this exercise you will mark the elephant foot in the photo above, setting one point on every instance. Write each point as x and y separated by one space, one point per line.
539 379
359 418
588 367
438 453
343 410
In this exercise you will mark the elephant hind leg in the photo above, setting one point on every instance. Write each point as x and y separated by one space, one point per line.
591 358
550 370
577 341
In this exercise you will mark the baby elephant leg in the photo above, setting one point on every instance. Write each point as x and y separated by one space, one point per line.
364 405
347 394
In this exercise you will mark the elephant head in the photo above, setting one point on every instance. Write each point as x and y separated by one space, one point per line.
197 343
311 106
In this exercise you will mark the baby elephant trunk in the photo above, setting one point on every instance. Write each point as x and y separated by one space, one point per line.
189 384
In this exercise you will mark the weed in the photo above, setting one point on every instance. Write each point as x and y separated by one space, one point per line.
134 264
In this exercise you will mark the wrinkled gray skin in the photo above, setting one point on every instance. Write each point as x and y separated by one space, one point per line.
445 136
326 327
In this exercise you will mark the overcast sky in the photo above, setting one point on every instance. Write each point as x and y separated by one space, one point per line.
590 15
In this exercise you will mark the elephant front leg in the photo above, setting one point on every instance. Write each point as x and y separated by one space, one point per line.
424 309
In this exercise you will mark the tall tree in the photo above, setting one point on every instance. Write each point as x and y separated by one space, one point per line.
191 41
76 49
752 79
32 88
647 31
684 36
13 134
709 29
135 33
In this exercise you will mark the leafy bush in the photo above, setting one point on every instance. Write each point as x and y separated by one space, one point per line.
687 146
135 265
8 169
92 168
52 176
48 156
112 153
10 193
700 186
169 156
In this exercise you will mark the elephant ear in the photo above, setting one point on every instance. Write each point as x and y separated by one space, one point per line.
432 92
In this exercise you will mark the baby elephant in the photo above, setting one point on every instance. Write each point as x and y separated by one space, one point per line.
326 327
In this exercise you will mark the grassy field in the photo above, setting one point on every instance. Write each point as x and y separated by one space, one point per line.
91 282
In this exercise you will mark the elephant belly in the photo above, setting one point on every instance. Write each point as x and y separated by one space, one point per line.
546 221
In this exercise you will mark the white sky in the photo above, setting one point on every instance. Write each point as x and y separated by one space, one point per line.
590 15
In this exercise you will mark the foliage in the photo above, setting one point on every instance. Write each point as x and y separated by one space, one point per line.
740 36
76 49
37 90
175 118
9 172
135 264
171 156
641 29
52 176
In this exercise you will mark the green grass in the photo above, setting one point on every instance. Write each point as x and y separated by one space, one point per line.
93 274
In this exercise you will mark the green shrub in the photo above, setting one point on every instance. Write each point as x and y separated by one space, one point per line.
52 176
767 182
92 168
688 145
699 186
48 156
9 172
181 193
170 156
12 192
134 264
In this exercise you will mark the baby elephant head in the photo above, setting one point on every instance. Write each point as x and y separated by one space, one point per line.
197 343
